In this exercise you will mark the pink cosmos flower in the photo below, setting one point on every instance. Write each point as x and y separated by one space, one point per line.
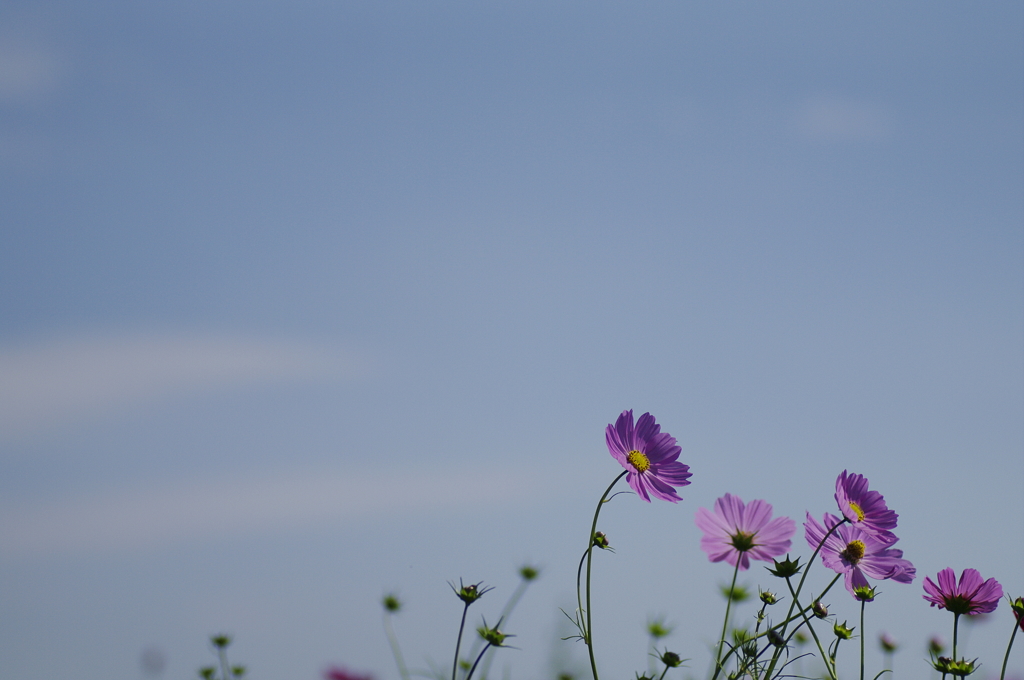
649 456
338 673
972 595
854 553
865 509
736 532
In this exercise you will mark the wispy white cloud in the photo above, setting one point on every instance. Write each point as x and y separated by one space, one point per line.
839 119
51 383
154 517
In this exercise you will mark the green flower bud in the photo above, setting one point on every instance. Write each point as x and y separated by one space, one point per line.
601 541
493 636
529 573
820 610
671 659
471 593
737 594
842 632
207 672
864 593
786 568
221 641
391 602
657 629
961 668
768 597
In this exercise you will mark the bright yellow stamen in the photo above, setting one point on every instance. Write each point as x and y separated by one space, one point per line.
638 460
854 551
856 509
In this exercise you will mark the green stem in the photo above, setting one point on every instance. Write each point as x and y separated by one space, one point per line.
458 642
956 622
486 647
799 589
775 628
590 552
1016 625
223 662
505 613
863 603
728 607
393 640
830 667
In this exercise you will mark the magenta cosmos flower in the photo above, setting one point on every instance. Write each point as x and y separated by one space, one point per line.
863 508
854 553
973 595
649 456
736 532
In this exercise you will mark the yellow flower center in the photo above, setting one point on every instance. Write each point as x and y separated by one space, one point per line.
854 551
638 460
856 509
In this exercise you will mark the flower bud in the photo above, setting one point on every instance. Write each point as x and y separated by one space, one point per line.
820 610
936 646
493 636
775 638
471 593
961 668
600 540
786 568
657 629
842 632
735 593
768 597
528 573
391 602
864 593
671 659
888 644
221 641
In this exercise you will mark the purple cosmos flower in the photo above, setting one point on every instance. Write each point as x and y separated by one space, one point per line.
649 456
736 532
865 509
972 596
851 551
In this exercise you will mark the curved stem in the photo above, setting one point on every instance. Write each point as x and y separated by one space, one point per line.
393 641
458 642
223 662
1016 625
830 667
728 607
590 552
505 613
800 587
486 647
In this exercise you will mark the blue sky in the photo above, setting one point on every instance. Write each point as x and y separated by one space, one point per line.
306 302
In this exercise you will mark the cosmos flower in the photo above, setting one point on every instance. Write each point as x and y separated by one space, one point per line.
649 456
865 509
338 673
854 553
972 595
737 532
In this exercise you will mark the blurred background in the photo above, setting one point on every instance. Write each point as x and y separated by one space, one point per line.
304 303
